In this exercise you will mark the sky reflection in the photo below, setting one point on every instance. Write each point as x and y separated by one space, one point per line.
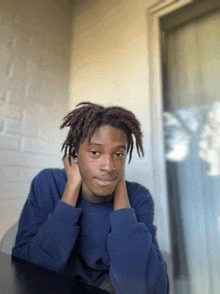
194 133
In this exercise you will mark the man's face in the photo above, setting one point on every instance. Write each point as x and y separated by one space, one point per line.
101 162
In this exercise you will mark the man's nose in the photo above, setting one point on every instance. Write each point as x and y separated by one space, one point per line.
107 163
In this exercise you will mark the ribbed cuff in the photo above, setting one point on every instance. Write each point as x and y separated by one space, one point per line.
67 212
122 218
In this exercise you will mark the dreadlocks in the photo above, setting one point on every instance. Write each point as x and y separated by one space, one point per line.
84 120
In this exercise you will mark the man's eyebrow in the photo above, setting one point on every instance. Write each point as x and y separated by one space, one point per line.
122 146
97 144
94 143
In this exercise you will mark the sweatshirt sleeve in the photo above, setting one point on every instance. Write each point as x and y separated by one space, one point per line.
48 227
136 264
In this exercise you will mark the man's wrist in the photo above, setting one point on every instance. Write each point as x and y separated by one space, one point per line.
123 202
71 193
121 199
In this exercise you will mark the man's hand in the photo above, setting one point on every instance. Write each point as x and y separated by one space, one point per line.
72 171
121 199
73 183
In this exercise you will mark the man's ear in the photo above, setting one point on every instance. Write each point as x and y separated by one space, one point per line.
76 158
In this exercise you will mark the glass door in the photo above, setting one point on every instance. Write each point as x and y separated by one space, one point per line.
191 86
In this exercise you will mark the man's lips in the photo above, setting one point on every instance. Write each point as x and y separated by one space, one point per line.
105 181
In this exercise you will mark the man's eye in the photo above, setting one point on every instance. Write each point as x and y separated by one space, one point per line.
94 152
120 154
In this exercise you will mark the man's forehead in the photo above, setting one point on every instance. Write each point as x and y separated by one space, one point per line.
109 133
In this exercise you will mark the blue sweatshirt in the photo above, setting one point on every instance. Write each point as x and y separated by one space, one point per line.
92 240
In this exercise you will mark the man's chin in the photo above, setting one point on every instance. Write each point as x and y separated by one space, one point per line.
96 193
103 192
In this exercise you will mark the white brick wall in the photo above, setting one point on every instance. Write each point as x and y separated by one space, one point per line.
35 42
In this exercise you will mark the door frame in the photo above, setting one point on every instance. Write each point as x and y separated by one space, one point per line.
154 13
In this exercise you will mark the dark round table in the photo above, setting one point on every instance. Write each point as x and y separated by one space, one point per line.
19 276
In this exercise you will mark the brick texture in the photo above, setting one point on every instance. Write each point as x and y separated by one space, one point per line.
35 45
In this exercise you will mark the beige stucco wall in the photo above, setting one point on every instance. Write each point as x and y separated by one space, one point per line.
110 65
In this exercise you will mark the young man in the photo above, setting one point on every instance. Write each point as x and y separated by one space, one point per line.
86 219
